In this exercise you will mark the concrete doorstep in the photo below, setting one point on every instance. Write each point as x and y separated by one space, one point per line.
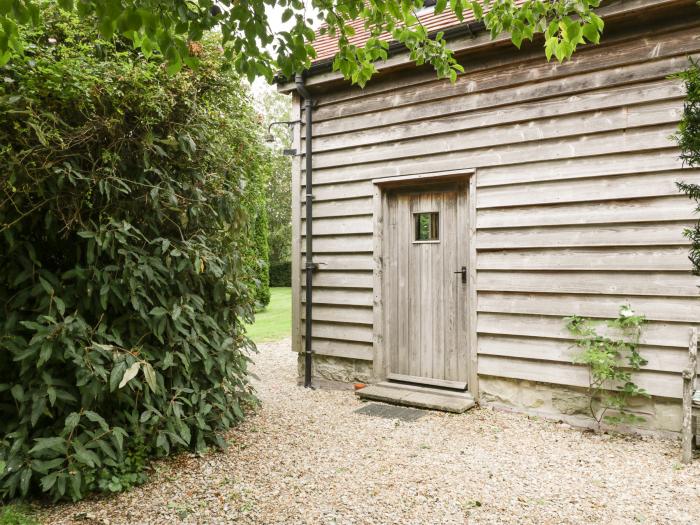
418 396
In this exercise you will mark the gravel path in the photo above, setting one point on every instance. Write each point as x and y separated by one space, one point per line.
306 457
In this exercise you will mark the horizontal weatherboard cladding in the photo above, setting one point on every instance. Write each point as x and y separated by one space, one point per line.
577 210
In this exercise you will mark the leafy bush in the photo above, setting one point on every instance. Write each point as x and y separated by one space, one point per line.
281 274
610 384
123 267
688 138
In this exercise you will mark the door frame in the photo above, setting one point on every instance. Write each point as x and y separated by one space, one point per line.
381 187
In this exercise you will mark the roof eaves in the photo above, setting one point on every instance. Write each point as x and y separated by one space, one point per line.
326 65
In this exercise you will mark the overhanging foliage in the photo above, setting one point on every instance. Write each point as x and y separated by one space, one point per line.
166 26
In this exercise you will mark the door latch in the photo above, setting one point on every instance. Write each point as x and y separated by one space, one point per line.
463 271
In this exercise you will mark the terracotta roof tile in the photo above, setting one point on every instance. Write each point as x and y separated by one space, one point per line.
326 47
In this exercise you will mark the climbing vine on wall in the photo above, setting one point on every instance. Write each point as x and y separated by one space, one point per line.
611 357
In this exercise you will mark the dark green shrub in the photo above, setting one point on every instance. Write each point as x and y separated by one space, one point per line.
281 274
123 268
258 254
688 138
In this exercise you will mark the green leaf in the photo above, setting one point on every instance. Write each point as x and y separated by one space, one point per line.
116 375
57 444
48 481
106 27
25 478
96 418
591 34
150 376
174 60
158 311
85 456
5 6
71 422
130 373
17 392
60 305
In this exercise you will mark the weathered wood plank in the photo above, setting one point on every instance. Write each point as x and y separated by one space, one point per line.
514 136
383 340
666 234
344 261
343 279
614 258
519 112
347 296
344 190
642 51
436 159
656 383
497 100
398 364
341 314
629 283
676 208
615 187
657 160
342 244
660 359
344 208
341 225
689 379
341 331
654 333
672 309
347 349
471 298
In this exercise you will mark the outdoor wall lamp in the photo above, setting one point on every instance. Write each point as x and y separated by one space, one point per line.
270 138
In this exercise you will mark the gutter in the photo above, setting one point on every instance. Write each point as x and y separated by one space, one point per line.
309 265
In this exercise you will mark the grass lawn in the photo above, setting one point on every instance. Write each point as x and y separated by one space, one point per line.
275 322
16 515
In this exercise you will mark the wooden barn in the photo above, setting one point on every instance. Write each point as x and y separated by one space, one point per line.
455 225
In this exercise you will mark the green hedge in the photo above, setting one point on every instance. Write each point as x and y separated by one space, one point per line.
281 274
125 275
688 138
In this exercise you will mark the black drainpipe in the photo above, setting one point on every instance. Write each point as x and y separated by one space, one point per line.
309 266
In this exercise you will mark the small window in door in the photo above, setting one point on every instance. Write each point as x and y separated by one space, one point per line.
427 226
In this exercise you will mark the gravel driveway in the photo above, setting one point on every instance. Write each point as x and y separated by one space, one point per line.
306 457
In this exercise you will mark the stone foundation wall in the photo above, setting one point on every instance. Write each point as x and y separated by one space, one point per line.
571 404
567 404
335 372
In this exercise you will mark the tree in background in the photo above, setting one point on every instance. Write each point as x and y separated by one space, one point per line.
688 138
257 229
277 107
125 276
168 26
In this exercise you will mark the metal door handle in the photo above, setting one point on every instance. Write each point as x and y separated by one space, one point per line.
463 271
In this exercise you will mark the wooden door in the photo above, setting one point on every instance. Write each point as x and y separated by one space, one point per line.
425 291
